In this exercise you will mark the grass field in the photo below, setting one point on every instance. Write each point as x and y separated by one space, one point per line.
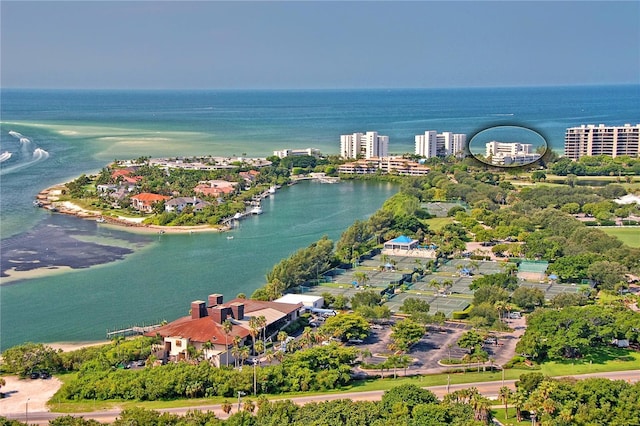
437 223
629 235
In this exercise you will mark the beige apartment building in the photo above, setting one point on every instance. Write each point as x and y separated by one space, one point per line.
587 140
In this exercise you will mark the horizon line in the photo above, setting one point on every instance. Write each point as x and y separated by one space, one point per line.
318 89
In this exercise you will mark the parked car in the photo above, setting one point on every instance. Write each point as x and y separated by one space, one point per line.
45 375
34 375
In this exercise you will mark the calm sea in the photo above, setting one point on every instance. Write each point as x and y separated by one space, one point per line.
54 136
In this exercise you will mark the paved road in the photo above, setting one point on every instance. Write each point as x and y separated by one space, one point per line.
489 389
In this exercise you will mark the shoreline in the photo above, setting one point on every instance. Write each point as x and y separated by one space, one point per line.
49 199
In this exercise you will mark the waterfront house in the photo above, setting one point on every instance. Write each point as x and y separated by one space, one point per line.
144 202
203 329
249 176
180 203
215 188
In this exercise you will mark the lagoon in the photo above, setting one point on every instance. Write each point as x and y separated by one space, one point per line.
166 272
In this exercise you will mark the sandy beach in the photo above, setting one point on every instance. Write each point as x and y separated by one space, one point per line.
50 199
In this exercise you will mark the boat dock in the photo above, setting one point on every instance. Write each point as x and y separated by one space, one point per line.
132 331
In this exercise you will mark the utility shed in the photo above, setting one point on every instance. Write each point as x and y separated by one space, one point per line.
307 300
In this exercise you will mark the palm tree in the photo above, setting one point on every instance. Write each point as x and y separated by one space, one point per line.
249 406
307 335
259 346
519 399
282 336
435 284
244 353
505 395
446 285
206 346
365 354
254 327
226 407
501 307
262 322
269 355
227 327
361 278
481 407
235 350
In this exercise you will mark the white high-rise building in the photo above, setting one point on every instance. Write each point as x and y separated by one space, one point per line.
602 140
433 144
510 153
427 144
365 145
507 148
458 145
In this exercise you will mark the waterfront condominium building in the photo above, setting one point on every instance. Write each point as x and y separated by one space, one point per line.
510 153
312 152
427 144
589 140
433 144
364 145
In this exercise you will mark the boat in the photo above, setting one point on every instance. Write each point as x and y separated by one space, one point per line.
5 156
237 216
37 203
230 237
101 220
256 210
272 189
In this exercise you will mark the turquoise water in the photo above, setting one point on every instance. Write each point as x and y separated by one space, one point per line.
65 133
160 280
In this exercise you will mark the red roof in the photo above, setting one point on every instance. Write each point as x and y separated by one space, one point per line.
251 305
148 197
200 330
120 172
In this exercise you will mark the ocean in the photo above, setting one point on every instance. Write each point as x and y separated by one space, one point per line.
52 136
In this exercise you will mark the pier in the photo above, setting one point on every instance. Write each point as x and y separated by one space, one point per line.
135 330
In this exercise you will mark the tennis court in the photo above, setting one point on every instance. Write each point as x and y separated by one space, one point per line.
440 209
446 305
551 290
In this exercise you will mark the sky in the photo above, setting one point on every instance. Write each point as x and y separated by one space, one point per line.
317 45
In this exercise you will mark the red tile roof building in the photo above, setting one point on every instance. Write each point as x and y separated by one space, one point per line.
205 324
144 202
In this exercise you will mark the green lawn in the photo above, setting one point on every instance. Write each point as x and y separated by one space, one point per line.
498 413
437 223
608 359
629 235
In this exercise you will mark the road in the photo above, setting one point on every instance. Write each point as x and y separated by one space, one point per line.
489 389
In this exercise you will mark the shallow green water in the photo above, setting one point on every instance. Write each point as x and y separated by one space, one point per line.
160 280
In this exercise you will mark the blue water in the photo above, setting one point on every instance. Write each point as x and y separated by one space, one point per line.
66 133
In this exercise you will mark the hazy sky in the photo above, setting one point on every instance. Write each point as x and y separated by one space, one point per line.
218 45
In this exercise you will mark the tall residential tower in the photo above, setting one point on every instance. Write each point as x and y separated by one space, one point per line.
588 140
365 145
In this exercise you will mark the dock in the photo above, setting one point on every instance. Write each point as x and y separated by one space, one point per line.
135 330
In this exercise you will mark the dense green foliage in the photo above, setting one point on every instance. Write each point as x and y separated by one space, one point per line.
306 264
575 331
559 402
318 368
31 357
